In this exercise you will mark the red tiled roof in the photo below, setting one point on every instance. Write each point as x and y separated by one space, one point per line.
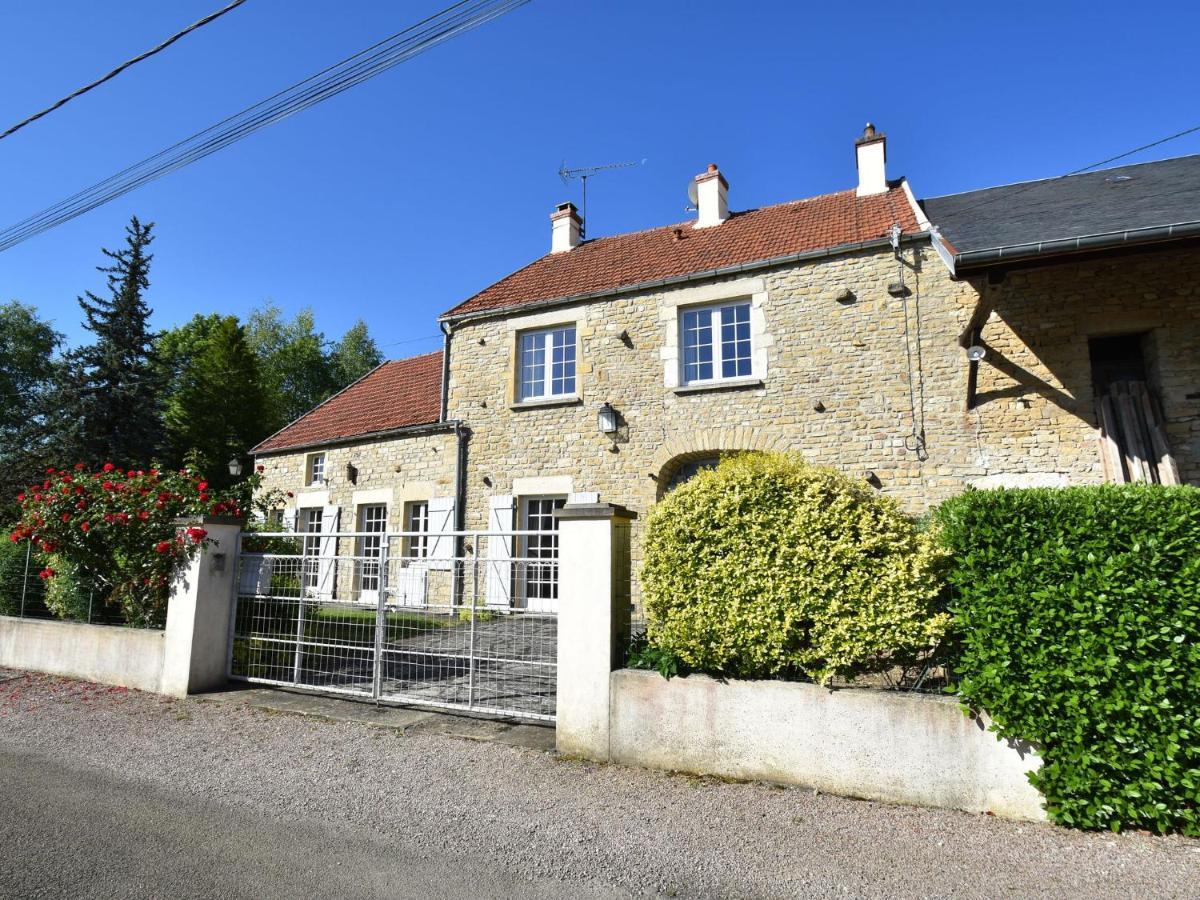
395 395
609 263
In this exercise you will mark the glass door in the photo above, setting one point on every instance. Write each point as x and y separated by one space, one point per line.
372 523
537 573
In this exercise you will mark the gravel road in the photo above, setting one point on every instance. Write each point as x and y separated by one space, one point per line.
439 812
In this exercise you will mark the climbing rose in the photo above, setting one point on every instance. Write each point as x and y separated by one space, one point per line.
162 546
202 486
86 526
197 534
108 467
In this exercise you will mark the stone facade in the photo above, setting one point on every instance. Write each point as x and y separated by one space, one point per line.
850 370
849 380
395 470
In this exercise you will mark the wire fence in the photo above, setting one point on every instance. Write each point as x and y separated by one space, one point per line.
463 620
25 594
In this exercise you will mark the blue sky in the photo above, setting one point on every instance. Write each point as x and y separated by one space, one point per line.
400 198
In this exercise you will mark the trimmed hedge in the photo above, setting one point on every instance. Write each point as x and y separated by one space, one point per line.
1078 616
767 567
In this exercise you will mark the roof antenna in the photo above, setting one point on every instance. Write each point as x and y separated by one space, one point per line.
583 173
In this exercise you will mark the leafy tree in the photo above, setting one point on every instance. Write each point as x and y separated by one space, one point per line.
215 406
27 371
110 393
296 372
353 356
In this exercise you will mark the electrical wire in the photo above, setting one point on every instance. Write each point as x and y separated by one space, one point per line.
379 57
122 67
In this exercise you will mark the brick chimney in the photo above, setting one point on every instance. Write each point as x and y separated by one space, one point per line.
871 153
565 228
712 200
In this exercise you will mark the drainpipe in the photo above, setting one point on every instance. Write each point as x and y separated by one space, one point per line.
445 368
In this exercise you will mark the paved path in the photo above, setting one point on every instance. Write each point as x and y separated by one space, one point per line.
111 793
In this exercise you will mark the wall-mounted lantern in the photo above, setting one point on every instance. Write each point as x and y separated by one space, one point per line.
606 420
235 467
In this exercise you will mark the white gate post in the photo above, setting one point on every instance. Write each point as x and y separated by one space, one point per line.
196 640
593 620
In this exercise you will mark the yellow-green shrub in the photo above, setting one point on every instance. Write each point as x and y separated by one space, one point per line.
768 567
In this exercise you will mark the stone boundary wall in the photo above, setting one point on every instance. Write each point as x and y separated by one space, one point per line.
878 745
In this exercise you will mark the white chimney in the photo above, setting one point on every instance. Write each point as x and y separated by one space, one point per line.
565 228
712 200
871 150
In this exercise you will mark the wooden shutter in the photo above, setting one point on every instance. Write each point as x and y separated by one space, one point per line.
441 533
501 517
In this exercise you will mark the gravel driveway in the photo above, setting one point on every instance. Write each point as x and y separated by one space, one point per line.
538 819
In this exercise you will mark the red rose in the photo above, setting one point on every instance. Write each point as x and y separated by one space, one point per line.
197 534
202 486
204 498
154 471
81 505
108 485
21 497
290 494
50 471
260 468
143 515
79 467
66 517
162 546
86 526
108 467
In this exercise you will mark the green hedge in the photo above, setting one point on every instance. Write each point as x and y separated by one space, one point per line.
1078 616
767 567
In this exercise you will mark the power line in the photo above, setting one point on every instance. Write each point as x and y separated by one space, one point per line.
412 41
122 67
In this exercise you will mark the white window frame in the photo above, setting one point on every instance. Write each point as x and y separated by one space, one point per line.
537 582
310 523
372 528
416 519
718 344
547 336
314 469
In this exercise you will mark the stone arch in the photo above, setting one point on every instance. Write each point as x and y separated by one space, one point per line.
682 448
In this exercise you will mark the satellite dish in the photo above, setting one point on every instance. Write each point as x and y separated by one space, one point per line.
975 353
693 194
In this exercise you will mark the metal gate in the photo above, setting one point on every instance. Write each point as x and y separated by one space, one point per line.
460 620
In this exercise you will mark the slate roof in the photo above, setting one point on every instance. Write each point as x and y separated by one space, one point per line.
641 257
1104 207
397 394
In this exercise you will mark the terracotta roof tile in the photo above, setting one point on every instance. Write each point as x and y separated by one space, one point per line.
609 263
394 395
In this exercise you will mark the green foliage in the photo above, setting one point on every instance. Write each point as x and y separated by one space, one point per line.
768 567
110 399
353 356
70 594
216 407
1078 617
12 575
644 655
296 373
27 372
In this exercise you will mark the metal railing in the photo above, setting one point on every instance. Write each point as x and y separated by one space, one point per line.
25 594
463 620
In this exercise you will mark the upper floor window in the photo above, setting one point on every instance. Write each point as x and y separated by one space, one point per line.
314 469
547 364
716 342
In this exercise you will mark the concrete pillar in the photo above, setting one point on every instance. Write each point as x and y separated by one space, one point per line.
196 640
593 620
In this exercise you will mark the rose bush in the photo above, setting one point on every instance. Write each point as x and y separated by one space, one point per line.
114 534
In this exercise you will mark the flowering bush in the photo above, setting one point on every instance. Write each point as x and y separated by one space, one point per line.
115 532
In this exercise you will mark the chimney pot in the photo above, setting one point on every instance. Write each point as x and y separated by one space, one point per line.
712 196
565 228
871 158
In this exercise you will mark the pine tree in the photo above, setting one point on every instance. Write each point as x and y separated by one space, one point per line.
116 399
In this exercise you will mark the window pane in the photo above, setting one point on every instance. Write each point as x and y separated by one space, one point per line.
533 365
371 519
735 341
418 521
697 345
562 374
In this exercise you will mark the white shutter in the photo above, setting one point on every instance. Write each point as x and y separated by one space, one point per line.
289 518
255 574
500 551
441 533
327 561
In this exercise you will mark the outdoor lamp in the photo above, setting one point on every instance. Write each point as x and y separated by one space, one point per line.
607 419
235 467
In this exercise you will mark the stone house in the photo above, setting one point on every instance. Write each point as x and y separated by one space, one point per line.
924 347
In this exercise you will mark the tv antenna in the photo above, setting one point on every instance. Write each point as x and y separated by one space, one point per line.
583 173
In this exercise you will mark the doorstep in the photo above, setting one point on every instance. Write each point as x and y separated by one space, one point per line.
406 720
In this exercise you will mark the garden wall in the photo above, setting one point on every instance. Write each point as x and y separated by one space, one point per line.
109 654
879 745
